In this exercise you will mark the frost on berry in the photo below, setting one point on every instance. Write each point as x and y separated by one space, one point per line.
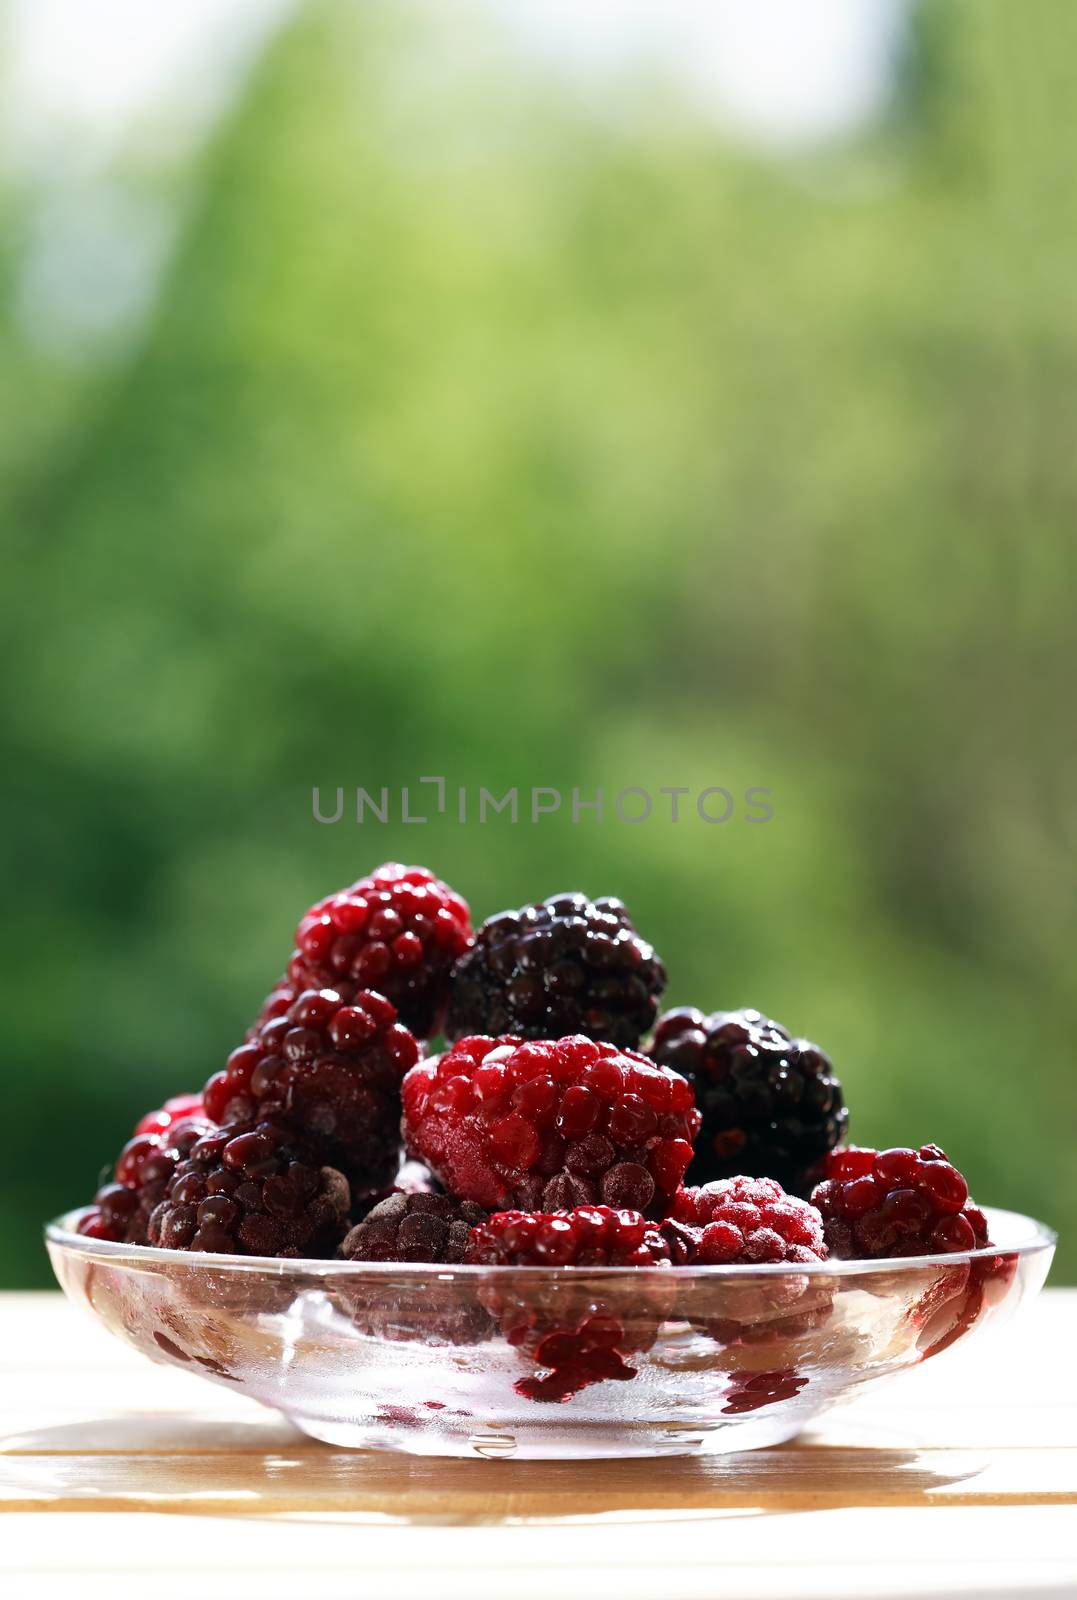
744 1222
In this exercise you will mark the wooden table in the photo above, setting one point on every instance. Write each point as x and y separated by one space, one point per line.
123 1478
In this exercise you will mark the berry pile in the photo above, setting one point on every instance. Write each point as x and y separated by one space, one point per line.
540 1137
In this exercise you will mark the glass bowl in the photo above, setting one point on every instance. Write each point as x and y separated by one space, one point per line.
541 1361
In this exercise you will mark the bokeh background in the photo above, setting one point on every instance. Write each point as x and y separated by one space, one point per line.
582 396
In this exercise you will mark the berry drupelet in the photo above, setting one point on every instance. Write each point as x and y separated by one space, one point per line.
398 931
877 1203
771 1105
414 1227
253 1189
333 1070
180 1108
280 998
562 966
544 1125
121 1209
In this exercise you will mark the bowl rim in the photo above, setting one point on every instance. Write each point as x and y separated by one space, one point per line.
60 1233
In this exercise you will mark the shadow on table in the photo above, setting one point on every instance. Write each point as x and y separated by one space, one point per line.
265 1467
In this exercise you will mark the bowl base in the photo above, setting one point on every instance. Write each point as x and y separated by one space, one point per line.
554 1441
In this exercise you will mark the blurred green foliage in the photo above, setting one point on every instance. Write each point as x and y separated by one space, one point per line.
481 432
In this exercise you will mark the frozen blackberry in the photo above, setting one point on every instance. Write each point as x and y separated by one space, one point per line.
333 1070
255 1189
565 965
745 1222
899 1202
580 1329
121 1209
588 1236
407 1308
771 1105
740 1220
398 931
545 1125
413 1227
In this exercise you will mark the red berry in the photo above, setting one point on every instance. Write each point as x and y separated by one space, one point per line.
548 1125
743 1222
178 1109
580 1329
899 1202
333 1070
145 1165
588 1236
398 931
739 1220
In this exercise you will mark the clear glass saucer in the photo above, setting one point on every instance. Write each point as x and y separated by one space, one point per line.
521 1362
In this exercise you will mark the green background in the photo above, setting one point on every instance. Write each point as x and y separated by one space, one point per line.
475 430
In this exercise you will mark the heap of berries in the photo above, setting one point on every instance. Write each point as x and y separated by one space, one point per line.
555 1129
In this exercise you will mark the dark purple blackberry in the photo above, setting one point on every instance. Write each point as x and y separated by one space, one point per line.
414 1227
771 1105
254 1189
567 965
332 1070
399 1306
